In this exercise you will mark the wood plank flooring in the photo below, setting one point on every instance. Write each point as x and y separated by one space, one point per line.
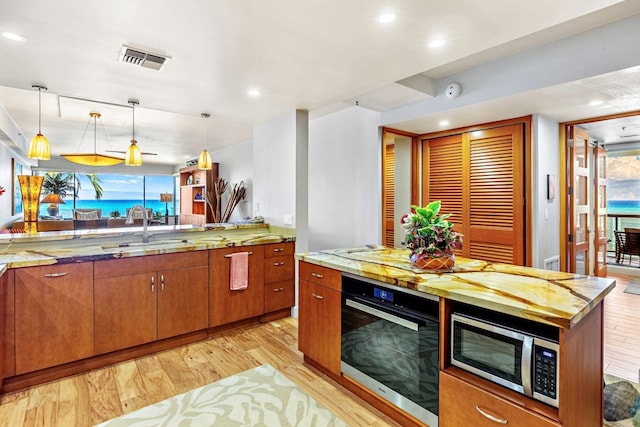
622 331
102 394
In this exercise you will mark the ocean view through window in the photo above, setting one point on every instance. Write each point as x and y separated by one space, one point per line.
623 193
114 194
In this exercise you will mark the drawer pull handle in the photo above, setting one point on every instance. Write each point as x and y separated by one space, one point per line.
278 289
278 250
56 274
162 281
153 284
278 264
316 296
318 275
491 417
229 256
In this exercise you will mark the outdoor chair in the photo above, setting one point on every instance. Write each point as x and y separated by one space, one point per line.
627 243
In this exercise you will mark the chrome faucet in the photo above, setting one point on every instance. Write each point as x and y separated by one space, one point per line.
145 221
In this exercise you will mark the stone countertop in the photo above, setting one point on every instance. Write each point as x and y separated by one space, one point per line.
49 248
552 297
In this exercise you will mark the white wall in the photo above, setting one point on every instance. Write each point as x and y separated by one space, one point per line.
235 164
546 213
344 179
274 173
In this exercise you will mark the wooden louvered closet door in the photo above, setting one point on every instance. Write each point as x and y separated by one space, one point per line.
388 194
479 178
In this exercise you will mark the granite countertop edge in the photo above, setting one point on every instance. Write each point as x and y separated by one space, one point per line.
68 248
557 298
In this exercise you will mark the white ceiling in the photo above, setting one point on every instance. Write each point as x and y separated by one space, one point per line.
300 54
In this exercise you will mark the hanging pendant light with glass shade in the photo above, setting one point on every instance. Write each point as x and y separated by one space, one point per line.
93 159
133 156
204 160
39 145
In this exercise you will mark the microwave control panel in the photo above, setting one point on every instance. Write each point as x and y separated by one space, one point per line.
545 374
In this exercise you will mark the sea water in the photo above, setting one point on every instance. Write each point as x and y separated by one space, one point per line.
108 206
623 207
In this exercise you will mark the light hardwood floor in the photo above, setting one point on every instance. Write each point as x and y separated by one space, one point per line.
622 331
102 394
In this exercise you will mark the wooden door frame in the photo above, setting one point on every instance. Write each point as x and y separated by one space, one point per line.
525 121
415 171
562 181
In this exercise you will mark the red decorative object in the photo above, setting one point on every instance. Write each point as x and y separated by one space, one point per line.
2 190
427 262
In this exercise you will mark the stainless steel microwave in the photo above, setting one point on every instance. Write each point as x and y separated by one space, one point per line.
510 357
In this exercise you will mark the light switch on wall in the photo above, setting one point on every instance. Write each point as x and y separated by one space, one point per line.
288 219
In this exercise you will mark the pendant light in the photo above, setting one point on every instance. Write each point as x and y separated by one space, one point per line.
93 159
133 156
204 160
39 145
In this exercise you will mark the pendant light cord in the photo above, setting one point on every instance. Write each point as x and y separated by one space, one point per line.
39 110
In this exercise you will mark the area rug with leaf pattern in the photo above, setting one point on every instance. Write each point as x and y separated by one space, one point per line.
258 397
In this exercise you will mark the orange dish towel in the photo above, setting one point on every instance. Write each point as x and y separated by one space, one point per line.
239 271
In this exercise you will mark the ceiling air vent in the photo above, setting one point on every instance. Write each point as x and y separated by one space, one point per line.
144 59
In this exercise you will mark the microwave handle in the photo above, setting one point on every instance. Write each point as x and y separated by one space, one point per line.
526 372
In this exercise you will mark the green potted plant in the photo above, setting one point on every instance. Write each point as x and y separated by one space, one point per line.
114 214
430 237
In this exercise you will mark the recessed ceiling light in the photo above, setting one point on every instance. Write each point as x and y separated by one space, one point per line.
13 36
596 102
437 43
443 123
253 92
386 18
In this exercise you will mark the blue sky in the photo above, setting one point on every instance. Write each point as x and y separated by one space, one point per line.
126 187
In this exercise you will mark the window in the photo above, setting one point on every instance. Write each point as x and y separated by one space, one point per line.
112 193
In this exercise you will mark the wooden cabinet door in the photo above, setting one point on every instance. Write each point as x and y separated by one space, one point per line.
183 301
228 306
53 315
125 311
319 324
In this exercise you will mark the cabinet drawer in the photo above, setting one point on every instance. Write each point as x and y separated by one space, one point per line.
278 249
277 269
478 407
278 296
321 275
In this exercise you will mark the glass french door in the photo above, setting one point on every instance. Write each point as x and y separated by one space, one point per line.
579 218
600 212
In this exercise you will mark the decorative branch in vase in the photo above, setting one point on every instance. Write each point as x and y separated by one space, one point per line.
214 200
430 237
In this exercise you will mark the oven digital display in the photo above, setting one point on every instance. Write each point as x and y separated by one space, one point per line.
383 294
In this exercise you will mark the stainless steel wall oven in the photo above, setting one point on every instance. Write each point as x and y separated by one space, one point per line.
390 344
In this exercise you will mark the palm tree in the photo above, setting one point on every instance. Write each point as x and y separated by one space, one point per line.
65 184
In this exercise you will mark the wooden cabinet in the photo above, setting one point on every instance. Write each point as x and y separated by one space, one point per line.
480 408
3 285
279 284
139 300
194 184
53 315
226 305
320 301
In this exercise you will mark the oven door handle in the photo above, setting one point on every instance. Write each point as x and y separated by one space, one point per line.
382 314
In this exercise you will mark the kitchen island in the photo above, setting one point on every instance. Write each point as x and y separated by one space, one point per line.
72 301
571 304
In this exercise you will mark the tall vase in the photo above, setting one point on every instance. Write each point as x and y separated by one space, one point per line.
30 186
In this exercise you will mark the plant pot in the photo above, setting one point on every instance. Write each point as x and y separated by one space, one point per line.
441 264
